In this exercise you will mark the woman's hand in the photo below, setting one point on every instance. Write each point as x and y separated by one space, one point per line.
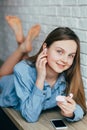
68 107
41 68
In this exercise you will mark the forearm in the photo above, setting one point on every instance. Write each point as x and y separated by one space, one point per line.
32 107
40 83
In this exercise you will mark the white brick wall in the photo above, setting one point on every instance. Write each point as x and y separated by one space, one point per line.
49 14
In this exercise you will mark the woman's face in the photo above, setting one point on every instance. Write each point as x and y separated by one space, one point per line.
60 55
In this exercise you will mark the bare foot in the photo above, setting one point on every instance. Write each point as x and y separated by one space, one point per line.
32 34
15 24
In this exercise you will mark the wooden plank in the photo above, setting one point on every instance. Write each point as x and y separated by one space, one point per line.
44 121
21 124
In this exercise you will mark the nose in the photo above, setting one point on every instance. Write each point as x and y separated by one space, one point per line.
64 58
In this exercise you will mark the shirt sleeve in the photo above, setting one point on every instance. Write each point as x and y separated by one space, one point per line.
31 98
78 114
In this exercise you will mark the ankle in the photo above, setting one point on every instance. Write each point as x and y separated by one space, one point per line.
20 40
22 48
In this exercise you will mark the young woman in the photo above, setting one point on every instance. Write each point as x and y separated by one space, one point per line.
33 84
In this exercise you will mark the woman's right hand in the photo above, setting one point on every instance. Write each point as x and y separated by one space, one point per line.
41 68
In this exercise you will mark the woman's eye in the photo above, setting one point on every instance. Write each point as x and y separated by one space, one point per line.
72 56
60 52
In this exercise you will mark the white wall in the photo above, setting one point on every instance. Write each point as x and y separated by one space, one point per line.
49 14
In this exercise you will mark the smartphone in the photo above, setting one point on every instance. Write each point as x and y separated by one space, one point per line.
58 123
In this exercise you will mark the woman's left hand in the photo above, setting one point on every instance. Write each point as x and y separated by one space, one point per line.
68 107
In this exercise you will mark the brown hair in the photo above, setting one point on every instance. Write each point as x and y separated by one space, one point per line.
73 74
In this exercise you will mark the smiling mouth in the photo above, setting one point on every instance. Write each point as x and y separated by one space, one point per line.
61 66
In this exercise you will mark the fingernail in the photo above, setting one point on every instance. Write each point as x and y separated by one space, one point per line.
71 95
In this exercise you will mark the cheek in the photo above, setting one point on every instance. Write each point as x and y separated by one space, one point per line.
50 57
70 63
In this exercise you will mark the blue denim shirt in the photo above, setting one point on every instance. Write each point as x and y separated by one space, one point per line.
20 92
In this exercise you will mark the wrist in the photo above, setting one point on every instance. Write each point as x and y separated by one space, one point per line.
72 117
40 84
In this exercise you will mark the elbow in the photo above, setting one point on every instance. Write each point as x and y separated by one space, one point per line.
29 116
31 120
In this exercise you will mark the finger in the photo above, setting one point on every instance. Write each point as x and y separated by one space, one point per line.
40 56
43 53
70 100
66 112
43 62
67 107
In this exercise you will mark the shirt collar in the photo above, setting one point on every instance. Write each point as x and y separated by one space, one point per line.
60 80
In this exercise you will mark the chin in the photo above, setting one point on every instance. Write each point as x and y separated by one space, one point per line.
59 71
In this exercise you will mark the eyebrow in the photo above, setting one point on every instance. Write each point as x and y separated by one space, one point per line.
64 50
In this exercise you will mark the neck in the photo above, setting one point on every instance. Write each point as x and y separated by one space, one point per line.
51 76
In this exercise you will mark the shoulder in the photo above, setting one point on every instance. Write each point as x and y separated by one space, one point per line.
23 67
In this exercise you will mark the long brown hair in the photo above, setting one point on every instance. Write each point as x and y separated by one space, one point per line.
73 74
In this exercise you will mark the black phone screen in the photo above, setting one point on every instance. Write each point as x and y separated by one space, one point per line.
58 123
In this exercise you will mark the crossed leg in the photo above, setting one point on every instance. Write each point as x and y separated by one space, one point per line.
16 25
23 48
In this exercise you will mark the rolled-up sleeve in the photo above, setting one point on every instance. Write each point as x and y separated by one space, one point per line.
30 97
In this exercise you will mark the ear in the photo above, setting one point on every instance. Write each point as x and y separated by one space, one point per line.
44 46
